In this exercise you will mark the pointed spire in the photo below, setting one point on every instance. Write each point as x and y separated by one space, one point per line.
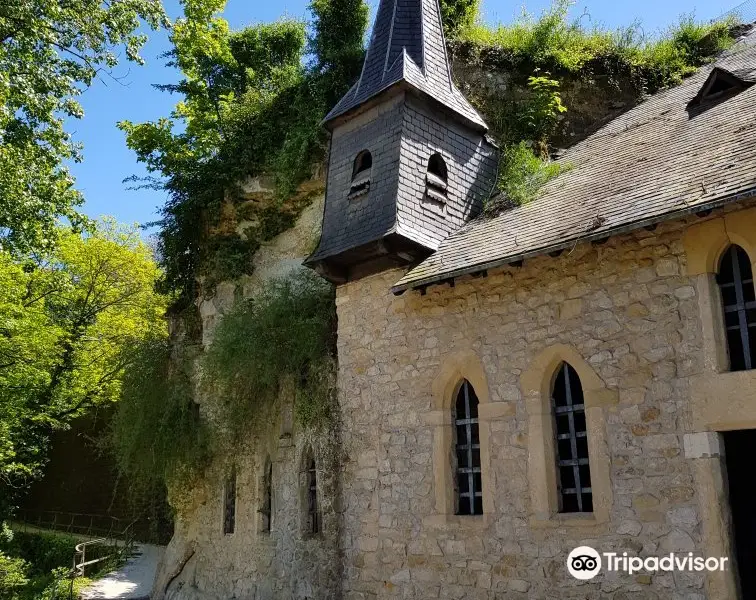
407 45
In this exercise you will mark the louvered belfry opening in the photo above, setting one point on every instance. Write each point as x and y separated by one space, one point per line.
735 279
467 446
573 469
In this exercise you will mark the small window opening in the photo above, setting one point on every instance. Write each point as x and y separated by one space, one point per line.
229 504
467 449
313 510
720 85
573 470
267 497
735 279
361 172
436 181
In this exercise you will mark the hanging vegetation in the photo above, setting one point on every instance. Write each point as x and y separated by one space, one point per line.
251 105
158 436
285 334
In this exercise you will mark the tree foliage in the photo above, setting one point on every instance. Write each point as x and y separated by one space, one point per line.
157 437
67 315
49 52
251 105
458 15
295 315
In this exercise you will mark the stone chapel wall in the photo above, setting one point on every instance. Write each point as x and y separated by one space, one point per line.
629 312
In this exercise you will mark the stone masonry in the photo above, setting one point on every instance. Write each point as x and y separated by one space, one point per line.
630 310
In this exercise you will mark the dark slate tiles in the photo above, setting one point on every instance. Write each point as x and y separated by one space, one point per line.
407 46
654 162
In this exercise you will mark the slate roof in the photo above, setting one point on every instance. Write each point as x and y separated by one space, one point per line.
656 162
407 47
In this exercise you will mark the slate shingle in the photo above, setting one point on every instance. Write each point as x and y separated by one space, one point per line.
407 46
654 162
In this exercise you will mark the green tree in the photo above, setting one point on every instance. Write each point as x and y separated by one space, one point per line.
67 316
457 14
50 51
251 104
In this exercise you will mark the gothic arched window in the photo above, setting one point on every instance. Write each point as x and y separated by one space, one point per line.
735 279
467 450
361 171
229 503
437 179
266 505
573 470
310 493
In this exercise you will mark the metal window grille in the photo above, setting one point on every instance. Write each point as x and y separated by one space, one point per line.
313 515
229 504
574 474
735 279
467 445
267 502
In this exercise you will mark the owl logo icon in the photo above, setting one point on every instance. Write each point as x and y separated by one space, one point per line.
584 563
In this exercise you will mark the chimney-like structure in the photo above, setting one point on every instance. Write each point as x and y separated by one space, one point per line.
409 161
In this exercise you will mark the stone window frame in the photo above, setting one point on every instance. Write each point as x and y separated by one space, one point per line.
536 383
461 366
720 399
705 243
230 479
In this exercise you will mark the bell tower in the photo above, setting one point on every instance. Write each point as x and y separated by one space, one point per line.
410 162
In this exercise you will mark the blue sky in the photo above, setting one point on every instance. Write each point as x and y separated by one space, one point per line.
107 160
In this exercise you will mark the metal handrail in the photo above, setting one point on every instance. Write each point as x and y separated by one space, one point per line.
82 525
86 524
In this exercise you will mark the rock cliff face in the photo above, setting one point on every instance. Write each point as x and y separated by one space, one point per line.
593 97
202 562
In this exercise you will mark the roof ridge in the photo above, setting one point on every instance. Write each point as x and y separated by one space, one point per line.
408 29
388 46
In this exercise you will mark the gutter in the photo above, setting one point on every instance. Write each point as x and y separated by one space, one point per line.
449 276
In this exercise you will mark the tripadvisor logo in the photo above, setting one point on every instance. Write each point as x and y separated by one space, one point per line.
585 563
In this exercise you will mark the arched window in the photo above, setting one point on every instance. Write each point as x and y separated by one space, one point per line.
437 179
437 168
573 470
361 172
229 503
309 479
735 279
467 450
266 505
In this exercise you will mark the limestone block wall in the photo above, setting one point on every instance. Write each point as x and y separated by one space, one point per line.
629 313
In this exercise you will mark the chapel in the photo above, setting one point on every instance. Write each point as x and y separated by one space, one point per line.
579 370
